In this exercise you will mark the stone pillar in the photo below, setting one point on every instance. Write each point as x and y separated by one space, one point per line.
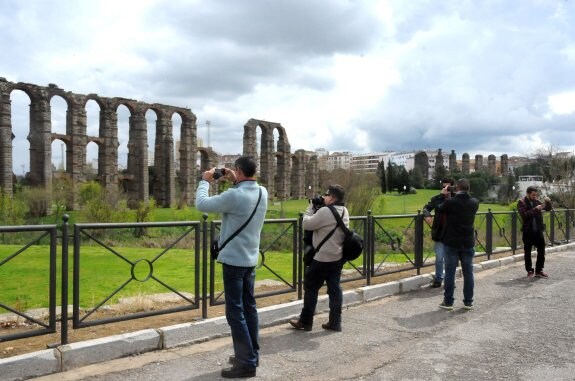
312 175
438 160
164 184
40 138
75 149
108 150
452 161
465 164
478 163
267 161
504 165
6 136
491 165
297 177
138 160
188 149
283 168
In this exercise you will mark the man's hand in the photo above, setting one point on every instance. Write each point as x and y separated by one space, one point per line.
429 220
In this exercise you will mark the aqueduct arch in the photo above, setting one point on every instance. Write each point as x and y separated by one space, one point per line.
76 139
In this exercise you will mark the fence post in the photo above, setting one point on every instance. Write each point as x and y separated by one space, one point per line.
204 232
552 228
64 313
489 233
367 253
514 231
418 242
299 257
567 225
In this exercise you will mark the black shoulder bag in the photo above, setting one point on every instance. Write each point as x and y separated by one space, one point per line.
215 249
352 243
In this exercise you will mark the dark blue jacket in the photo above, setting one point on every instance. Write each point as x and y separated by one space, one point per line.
460 211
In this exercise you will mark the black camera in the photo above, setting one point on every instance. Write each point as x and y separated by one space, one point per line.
451 189
219 173
317 201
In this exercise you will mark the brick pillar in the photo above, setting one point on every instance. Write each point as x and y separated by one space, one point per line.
298 186
164 183
6 177
138 160
75 150
267 161
283 169
465 164
108 150
188 173
40 139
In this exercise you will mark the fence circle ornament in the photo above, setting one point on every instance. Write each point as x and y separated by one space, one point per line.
142 270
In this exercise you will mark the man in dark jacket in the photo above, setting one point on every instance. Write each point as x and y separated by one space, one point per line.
437 223
531 212
459 241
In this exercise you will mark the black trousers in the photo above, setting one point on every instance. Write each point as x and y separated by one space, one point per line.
536 239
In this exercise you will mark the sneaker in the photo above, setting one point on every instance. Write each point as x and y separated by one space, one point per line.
468 307
446 306
541 274
530 274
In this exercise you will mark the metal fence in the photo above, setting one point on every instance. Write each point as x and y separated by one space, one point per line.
162 268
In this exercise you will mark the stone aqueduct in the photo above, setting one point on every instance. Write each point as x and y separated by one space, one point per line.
285 174
282 172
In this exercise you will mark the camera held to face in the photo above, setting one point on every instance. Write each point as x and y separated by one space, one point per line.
317 202
451 189
219 172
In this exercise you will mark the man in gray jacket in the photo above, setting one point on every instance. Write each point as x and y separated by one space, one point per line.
239 257
327 263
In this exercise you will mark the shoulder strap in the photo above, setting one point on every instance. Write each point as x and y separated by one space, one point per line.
338 219
245 223
325 239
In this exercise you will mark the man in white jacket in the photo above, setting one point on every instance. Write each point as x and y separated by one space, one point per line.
327 262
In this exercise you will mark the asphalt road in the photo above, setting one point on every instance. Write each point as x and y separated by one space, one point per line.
520 329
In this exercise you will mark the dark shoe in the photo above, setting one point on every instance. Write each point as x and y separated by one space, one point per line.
332 327
541 274
530 274
232 360
436 284
239 372
468 306
299 325
448 307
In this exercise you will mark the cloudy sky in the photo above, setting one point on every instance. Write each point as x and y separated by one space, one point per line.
477 76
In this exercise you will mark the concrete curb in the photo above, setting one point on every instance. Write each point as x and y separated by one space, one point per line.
75 355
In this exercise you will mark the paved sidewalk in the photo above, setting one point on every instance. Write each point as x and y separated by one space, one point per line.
520 329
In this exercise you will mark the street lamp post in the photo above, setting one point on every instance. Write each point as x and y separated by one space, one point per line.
404 191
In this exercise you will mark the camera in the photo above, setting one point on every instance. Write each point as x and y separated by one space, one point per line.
219 172
452 189
317 201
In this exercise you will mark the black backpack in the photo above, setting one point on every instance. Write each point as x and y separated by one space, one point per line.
352 243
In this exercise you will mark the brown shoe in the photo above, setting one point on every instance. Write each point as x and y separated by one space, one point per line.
299 325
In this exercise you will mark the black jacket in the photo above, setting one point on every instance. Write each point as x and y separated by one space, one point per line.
531 217
438 225
460 211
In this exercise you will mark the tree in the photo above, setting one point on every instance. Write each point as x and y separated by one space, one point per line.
381 176
404 180
416 178
390 177
508 191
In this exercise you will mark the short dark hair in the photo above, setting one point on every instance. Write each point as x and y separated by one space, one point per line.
531 189
247 164
463 184
336 191
446 180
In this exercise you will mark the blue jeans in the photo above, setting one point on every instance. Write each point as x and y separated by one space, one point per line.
439 259
315 275
465 256
241 312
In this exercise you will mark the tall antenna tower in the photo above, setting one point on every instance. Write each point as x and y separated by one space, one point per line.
208 123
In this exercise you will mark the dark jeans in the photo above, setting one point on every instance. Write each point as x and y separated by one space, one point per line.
531 239
314 276
241 312
465 256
